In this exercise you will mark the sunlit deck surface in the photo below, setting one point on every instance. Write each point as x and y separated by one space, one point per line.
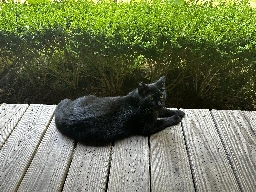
209 151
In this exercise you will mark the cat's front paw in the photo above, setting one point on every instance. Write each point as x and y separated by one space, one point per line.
180 113
173 120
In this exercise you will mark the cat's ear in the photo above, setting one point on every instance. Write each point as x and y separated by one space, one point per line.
161 82
142 88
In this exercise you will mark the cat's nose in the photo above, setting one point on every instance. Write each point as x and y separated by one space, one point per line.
159 103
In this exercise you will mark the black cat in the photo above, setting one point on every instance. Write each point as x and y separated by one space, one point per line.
92 119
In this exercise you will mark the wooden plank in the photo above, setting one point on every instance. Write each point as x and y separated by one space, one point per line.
48 169
240 143
209 164
170 169
20 147
89 169
251 118
10 114
130 165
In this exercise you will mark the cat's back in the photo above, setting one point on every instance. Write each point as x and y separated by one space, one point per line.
86 100
91 106
81 101
99 105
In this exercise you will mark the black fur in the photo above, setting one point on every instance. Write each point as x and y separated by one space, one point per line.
92 119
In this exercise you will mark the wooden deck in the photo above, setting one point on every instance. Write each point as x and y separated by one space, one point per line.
208 151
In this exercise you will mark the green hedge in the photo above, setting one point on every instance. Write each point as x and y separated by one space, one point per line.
208 53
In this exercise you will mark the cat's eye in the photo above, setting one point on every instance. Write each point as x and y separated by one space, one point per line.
161 96
151 98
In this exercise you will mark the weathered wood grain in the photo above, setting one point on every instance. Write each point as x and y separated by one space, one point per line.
218 146
89 169
48 169
240 142
10 115
130 165
209 165
20 147
170 169
251 118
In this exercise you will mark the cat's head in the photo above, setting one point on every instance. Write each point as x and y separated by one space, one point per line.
152 96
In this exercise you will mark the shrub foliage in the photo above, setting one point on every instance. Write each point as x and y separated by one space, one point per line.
208 53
